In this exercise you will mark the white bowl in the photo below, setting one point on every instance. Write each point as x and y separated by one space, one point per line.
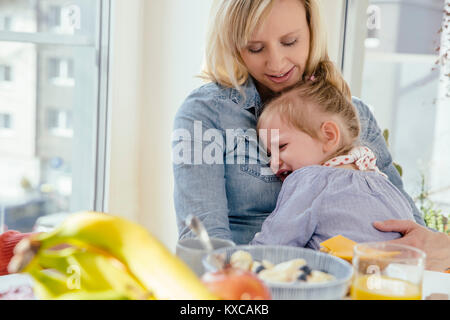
331 290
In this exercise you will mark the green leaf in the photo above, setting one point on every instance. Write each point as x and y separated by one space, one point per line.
399 168
386 136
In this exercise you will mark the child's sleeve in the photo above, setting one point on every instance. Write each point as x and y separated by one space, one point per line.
295 217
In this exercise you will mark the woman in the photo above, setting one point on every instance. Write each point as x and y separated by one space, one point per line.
256 48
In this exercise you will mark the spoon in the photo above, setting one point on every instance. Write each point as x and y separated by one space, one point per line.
199 229
196 226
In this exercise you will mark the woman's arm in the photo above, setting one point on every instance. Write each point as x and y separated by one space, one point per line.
372 136
199 187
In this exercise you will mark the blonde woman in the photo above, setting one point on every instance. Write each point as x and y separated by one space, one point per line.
255 49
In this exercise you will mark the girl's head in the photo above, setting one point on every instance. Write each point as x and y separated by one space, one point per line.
315 123
266 39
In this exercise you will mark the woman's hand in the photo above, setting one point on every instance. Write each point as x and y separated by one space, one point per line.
435 244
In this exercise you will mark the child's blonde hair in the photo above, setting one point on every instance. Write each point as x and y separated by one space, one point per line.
300 104
231 26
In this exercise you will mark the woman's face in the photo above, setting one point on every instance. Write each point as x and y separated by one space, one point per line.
278 50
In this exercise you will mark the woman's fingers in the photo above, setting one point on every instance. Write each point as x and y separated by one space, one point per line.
410 230
402 226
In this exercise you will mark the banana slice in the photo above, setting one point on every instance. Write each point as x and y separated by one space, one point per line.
319 276
267 264
283 272
272 275
241 260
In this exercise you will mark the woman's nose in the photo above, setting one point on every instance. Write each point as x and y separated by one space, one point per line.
274 61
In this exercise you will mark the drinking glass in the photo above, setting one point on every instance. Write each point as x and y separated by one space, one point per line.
192 251
386 271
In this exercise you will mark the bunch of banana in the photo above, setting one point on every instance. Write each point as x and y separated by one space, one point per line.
93 255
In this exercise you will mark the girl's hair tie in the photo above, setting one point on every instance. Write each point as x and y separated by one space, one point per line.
312 78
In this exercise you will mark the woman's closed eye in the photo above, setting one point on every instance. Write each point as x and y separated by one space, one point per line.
259 49
283 146
291 43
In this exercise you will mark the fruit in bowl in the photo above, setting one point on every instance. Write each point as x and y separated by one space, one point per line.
236 284
325 277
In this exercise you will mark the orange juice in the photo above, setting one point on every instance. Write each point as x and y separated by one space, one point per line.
378 287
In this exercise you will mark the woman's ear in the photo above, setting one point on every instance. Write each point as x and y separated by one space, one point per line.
331 136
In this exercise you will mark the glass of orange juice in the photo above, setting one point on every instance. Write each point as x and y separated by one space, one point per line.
386 271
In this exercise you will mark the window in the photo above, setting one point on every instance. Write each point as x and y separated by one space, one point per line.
60 71
59 122
5 121
5 73
403 74
54 17
5 22
54 163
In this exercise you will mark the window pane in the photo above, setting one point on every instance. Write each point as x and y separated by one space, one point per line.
48 165
405 79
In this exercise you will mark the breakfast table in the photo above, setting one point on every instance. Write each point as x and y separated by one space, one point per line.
436 285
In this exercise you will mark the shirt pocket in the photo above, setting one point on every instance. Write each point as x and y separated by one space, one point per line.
253 160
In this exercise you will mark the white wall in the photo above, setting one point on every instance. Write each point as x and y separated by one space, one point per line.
333 12
173 56
126 100
157 51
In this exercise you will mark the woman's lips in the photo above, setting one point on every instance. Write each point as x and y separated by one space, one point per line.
283 78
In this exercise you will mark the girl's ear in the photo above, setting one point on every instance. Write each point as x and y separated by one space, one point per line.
331 136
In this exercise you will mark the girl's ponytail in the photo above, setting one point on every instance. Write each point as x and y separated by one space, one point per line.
327 72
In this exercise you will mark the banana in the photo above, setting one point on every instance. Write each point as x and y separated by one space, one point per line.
114 257
95 271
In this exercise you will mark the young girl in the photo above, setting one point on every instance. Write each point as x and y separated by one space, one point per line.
331 184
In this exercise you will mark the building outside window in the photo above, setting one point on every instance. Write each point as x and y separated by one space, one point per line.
52 165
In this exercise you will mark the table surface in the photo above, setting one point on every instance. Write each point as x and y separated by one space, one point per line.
433 283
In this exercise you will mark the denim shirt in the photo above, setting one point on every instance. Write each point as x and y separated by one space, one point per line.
233 198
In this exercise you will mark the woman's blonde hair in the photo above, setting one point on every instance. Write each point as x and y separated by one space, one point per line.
231 26
301 105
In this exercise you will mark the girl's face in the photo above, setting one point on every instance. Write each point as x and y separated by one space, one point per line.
277 52
295 149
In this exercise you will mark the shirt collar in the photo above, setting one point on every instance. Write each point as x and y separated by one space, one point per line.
252 101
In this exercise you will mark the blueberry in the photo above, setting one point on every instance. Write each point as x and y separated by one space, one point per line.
302 277
259 269
306 269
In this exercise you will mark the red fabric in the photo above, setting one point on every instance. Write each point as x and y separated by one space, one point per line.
8 241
